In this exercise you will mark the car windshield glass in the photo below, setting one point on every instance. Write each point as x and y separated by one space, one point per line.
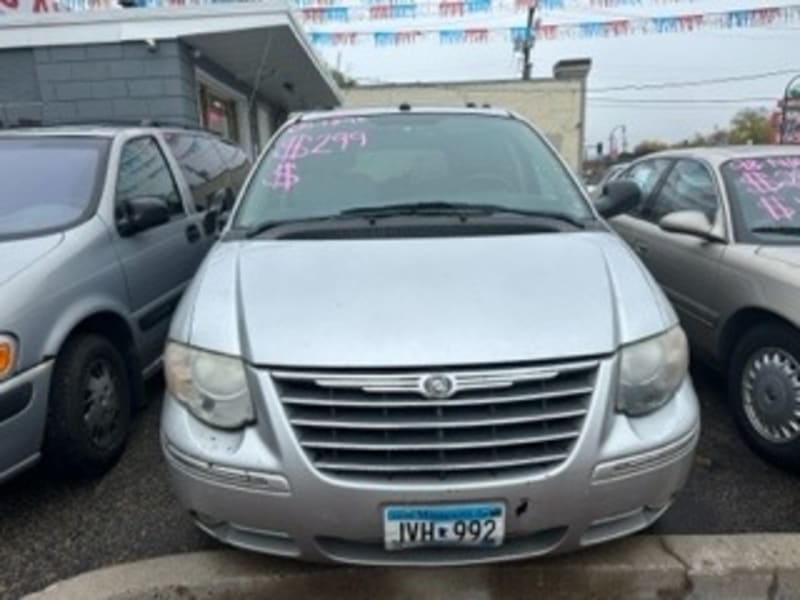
48 183
765 195
320 168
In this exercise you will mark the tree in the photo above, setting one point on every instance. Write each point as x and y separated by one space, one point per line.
648 147
750 126
342 80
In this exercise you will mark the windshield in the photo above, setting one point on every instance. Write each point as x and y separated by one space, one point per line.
48 183
324 167
765 196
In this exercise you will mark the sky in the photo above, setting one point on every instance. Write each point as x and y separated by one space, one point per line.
661 114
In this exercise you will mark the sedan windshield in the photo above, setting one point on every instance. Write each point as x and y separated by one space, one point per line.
417 165
48 183
765 196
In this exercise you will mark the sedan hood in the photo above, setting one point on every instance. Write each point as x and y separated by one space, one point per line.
20 254
789 255
445 301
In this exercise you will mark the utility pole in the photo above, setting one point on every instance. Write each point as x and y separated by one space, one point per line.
526 49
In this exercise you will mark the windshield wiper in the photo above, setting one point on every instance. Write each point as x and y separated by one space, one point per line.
258 229
460 209
782 229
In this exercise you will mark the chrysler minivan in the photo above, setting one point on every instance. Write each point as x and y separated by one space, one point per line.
418 343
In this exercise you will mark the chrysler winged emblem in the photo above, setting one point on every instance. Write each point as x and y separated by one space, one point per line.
437 386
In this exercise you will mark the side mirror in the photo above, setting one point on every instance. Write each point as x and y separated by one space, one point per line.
142 213
618 197
689 222
219 208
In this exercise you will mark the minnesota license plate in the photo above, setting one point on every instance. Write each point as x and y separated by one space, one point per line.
413 526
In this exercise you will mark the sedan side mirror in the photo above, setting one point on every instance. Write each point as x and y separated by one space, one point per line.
689 222
618 197
142 213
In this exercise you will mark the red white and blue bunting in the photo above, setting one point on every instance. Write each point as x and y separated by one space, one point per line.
344 11
734 19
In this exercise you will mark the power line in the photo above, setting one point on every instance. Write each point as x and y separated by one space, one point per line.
695 82
634 101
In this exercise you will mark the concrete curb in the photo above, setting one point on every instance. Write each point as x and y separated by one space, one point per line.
758 566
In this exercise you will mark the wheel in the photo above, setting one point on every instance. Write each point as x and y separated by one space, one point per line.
764 388
89 411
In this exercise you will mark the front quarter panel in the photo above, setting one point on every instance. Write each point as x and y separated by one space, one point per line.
82 279
748 280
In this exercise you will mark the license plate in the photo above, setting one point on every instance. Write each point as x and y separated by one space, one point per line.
413 526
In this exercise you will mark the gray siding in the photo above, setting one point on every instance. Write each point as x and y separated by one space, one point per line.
102 82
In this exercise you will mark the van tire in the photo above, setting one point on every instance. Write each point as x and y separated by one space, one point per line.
774 392
89 412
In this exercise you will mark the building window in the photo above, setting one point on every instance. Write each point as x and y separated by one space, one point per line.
219 113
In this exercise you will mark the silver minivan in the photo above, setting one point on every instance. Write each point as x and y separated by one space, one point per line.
101 230
418 343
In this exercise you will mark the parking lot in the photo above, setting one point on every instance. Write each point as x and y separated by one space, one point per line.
53 529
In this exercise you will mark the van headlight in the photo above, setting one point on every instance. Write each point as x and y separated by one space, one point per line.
212 386
651 372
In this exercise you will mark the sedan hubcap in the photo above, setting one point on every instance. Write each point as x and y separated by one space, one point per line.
771 394
101 403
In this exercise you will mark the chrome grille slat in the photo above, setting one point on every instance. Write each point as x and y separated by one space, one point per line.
455 445
434 424
378 425
451 466
407 402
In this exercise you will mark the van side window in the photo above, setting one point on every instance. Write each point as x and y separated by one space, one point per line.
143 171
201 165
236 161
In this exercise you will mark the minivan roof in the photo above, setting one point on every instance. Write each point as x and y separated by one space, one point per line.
403 109
93 130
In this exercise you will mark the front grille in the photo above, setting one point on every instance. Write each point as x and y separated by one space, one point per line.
379 425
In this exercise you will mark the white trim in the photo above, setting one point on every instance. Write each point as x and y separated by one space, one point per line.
264 123
242 109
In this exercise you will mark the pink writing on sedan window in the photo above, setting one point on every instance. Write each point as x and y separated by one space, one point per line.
775 207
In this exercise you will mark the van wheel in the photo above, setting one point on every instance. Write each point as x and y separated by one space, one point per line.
89 411
764 388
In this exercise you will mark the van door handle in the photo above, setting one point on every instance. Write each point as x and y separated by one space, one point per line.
192 233
641 248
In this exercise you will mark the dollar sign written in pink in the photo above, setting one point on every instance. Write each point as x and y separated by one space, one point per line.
294 147
284 177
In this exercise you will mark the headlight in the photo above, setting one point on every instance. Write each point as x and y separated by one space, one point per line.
212 386
8 355
651 372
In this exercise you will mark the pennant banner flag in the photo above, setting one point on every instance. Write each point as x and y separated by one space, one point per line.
335 11
758 17
472 35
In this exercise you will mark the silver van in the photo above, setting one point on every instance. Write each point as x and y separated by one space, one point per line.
418 343
101 230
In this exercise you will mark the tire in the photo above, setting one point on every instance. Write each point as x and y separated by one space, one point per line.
89 411
764 391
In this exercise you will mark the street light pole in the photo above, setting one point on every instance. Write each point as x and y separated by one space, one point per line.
621 128
785 107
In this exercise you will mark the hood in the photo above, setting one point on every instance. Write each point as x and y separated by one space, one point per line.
788 255
19 254
409 302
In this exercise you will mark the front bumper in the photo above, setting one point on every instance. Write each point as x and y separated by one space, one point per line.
255 489
23 413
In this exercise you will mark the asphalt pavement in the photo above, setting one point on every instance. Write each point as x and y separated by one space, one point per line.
52 529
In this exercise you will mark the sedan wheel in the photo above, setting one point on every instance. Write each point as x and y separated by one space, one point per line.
764 391
771 394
